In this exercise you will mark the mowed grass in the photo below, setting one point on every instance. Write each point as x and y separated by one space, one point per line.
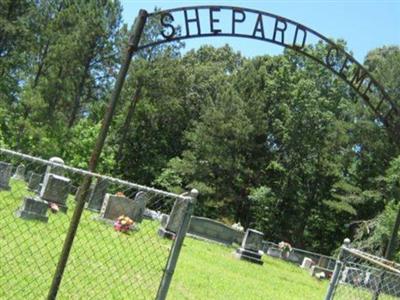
105 264
210 271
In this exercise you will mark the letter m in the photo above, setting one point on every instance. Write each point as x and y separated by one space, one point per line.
358 77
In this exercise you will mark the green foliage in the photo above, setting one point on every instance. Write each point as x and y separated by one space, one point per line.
82 140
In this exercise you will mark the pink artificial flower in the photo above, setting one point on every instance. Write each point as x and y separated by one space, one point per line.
54 208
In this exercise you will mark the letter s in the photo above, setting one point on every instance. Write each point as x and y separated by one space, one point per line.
166 20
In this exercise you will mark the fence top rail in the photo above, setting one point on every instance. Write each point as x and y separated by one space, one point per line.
386 264
87 173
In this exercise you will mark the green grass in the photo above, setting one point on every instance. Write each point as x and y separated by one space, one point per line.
105 264
350 293
209 271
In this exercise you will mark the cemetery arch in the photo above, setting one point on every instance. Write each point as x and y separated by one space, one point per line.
206 21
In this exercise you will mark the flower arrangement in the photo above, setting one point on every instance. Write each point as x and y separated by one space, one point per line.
123 223
285 248
54 208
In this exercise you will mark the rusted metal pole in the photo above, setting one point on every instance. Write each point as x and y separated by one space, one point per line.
393 238
132 48
388 253
176 247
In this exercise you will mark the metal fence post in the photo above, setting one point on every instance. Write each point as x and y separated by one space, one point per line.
338 269
176 247
69 239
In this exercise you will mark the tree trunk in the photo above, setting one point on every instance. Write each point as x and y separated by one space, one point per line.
77 102
128 120
55 94
41 65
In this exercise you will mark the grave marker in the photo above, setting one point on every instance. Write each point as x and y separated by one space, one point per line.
96 196
5 175
115 206
250 249
307 263
175 219
274 252
164 220
78 190
139 206
55 189
20 173
28 176
34 182
57 170
33 209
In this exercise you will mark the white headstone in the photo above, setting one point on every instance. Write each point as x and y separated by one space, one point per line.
307 263
55 169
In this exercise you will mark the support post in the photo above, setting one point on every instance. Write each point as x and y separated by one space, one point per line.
336 273
176 247
392 242
132 48
388 254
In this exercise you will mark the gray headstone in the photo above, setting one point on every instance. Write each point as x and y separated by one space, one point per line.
20 172
78 190
34 182
33 209
73 190
55 169
55 189
97 195
115 206
139 206
293 257
5 175
274 252
164 220
177 214
252 240
251 247
28 176
213 230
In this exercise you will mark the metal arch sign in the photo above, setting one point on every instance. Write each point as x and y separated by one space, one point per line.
210 21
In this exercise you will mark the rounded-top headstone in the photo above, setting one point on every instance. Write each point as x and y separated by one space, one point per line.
346 242
57 160
54 169
194 193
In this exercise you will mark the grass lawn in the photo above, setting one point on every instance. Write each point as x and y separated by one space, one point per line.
105 264
209 271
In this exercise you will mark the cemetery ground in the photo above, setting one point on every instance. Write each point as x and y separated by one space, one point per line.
205 270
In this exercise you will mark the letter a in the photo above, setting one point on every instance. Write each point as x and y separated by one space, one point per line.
259 27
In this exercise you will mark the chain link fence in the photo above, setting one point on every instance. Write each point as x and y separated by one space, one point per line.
359 275
117 253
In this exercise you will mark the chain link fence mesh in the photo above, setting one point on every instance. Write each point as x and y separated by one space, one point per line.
365 276
37 200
